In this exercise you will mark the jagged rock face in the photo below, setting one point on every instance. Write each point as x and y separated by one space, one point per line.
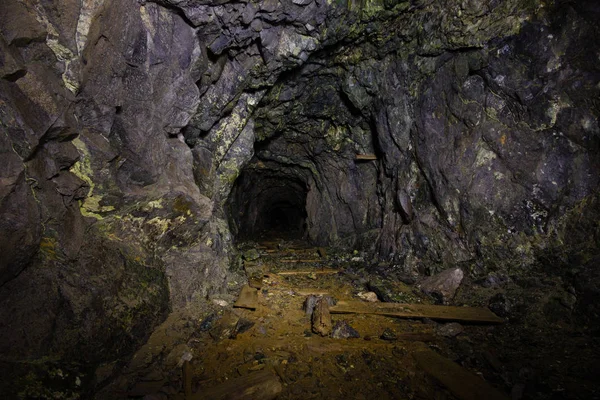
136 134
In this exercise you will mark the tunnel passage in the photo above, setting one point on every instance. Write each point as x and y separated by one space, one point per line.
267 203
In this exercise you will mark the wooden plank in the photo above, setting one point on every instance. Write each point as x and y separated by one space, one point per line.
295 261
300 291
311 291
260 385
462 383
365 157
418 311
308 272
248 298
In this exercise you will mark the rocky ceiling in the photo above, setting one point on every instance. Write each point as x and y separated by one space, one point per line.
138 135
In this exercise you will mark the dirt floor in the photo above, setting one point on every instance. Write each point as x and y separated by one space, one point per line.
211 351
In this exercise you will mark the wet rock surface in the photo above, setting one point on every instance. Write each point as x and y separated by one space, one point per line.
138 139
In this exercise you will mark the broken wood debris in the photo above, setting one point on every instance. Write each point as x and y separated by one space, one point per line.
418 311
462 383
321 318
248 298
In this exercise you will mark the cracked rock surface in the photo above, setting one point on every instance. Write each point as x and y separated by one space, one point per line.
138 139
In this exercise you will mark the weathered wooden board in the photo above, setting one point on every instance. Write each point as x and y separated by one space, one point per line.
365 157
308 272
321 318
311 291
462 383
296 261
440 313
260 385
248 298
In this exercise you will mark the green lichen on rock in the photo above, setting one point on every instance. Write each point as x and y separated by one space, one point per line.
90 206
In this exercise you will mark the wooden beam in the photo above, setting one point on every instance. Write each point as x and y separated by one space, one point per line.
321 318
462 383
418 311
365 157
311 291
248 298
308 272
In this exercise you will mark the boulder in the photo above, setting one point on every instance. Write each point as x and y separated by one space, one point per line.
443 286
342 330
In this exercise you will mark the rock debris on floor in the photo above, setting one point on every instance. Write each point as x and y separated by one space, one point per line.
279 340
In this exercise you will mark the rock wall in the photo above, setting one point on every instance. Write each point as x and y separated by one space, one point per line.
126 124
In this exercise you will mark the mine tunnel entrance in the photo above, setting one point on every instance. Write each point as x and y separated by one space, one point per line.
267 204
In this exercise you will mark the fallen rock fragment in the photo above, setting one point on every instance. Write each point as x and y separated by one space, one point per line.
500 305
450 330
251 255
368 296
220 302
388 334
443 286
389 292
342 330
311 301
241 326
224 328
207 322
309 304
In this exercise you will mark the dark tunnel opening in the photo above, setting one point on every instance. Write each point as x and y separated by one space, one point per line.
267 204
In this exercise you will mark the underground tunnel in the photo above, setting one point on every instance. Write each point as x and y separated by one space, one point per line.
299 199
265 204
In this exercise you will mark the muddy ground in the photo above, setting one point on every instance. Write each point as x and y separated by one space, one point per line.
540 352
